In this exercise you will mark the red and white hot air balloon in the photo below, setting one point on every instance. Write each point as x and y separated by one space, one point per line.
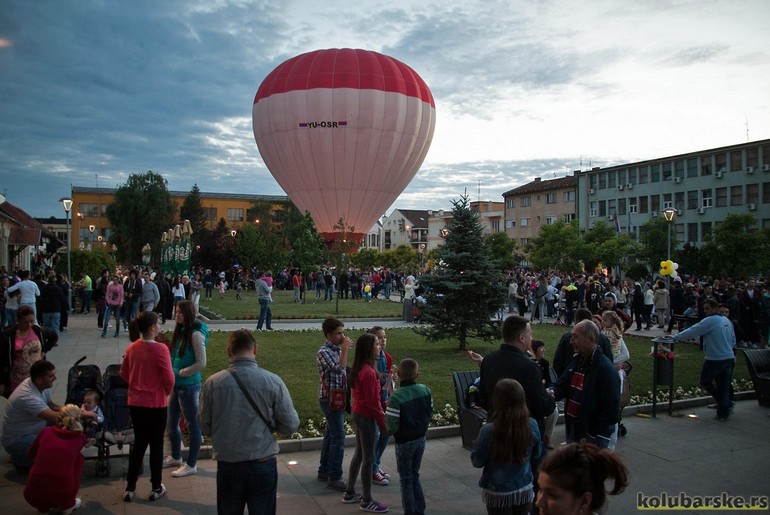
343 131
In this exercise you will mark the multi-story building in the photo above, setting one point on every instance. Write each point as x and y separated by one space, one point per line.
701 187
89 211
405 227
538 203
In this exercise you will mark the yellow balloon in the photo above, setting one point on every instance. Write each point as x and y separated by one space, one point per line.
367 288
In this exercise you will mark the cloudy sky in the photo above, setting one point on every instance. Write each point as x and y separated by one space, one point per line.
93 91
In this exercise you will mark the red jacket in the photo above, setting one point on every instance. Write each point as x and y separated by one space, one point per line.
366 396
147 369
54 479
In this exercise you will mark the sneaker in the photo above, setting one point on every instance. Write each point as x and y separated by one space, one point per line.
74 507
323 476
129 495
352 498
170 461
379 479
185 470
374 507
712 406
337 484
384 474
157 494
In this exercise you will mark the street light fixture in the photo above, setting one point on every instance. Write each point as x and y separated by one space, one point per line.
669 214
233 233
67 203
91 229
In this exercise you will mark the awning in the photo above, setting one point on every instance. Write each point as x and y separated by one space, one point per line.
24 236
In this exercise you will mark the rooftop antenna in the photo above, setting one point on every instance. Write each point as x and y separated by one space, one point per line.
478 193
96 175
747 127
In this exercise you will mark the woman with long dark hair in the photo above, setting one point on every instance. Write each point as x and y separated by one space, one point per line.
572 478
188 358
367 416
508 448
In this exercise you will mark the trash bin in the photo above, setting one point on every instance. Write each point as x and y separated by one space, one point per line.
663 371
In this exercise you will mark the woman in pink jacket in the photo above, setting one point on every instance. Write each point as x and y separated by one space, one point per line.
147 369
367 416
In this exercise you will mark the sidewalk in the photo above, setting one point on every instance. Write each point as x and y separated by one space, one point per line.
691 453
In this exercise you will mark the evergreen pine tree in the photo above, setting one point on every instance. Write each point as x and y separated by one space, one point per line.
465 287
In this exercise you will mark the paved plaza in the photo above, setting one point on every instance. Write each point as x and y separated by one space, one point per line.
689 453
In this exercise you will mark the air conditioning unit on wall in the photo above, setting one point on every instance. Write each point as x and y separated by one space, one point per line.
677 180
700 210
591 191
629 186
751 207
620 187
719 175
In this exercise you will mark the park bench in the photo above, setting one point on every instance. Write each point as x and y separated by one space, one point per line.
758 362
471 419
682 322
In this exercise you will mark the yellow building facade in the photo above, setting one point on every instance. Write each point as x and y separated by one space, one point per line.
91 225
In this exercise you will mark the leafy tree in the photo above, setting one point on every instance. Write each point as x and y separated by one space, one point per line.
365 259
735 248
558 246
502 249
141 212
91 262
653 237
306 253
691 260
192 210
465 288
403 259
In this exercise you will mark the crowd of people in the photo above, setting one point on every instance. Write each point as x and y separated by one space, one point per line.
517 386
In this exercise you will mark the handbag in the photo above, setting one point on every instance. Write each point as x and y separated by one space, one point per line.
251 401
337 397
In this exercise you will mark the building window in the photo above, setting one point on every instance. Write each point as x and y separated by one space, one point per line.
692 199
692 167
510 224
550 220
550 198
679 168
569 196
752 156
722 196
89 210
752 193
679 200
643 204
654 202
210 214
706 200
611 207
235 215
526 201
622 177
736 161
104 209
525 241
495 225
621 206
632 177
692 232
721 162
602 180
736 195
509 203
705 165
612 180
632 206
666 171
524 222
667 204
569 217
644 174
705 229
602 208
655 172
593 209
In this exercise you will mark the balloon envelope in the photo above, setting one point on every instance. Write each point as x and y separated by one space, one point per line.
343 132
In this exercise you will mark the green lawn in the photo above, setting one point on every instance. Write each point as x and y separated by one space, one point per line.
291 355
284 307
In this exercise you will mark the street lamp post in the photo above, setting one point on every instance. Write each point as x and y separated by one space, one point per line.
91 229
67 203
669 214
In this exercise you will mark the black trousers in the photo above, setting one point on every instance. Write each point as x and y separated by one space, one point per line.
149 427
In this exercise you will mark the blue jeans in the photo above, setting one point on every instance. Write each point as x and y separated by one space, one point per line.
408 460
107 315
18 448
333 448
246 483
265 314
51 321
86 301
380 443
715 379
184 400
329 293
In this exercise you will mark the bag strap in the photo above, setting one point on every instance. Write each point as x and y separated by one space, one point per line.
251 401
324 384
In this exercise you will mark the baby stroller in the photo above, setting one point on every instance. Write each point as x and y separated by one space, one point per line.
118 430
80 379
